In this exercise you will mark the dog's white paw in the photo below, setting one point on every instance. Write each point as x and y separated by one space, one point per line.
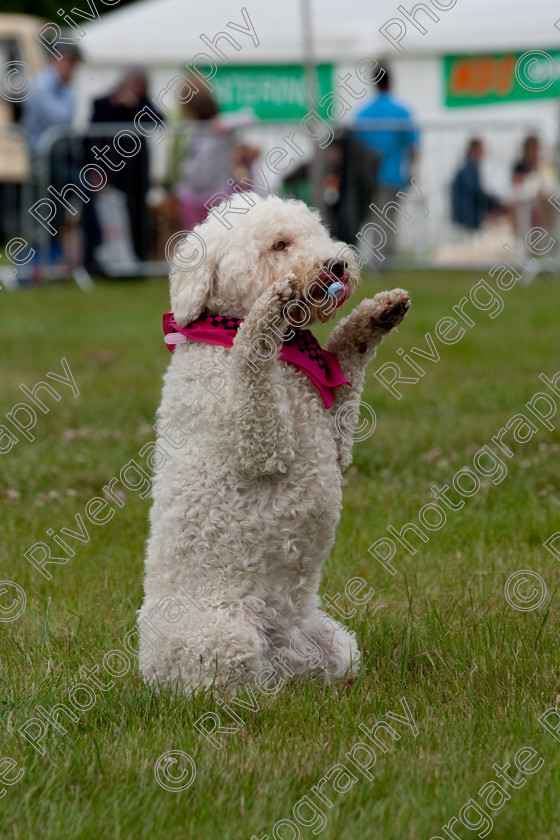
388 309
266 321
377 316
286 290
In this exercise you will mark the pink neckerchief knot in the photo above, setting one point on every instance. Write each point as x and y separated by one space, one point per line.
301 350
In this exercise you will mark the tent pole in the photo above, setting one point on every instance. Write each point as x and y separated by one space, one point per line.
312 97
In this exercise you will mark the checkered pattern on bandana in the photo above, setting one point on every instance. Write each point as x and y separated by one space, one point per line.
223 322
306 343
303 340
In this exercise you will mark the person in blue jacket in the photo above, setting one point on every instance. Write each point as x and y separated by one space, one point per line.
470 203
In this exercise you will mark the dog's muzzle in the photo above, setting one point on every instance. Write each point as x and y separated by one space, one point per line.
334 281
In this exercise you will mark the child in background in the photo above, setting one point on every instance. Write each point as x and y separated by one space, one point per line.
212 158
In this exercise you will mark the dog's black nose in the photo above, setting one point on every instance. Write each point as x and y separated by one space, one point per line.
337 268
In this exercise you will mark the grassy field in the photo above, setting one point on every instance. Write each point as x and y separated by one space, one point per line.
476 672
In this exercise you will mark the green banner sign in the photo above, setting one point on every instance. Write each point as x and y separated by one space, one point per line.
501 77
273 92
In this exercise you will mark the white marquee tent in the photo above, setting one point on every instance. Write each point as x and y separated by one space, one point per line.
167 32
165 35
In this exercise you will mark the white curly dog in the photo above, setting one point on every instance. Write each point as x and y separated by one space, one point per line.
249 500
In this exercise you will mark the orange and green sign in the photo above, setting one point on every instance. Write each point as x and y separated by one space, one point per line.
503 77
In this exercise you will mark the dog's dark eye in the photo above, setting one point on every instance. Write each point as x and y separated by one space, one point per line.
279 246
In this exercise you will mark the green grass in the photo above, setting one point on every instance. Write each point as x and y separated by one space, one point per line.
476 673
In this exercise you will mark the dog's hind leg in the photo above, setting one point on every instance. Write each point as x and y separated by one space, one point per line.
220 647
319 646
340 654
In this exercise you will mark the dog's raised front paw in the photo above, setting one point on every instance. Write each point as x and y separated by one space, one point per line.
379 315
266 322
370 321
274 299
286 291
389 309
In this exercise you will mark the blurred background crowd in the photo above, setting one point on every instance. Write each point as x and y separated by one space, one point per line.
435 156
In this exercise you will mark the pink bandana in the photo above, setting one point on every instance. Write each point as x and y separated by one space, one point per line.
302 350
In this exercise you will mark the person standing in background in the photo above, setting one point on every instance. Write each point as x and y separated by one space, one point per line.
470 203
54 99
395 145
533 179
133 179
54 104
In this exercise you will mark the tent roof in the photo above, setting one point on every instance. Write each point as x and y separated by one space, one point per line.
167 32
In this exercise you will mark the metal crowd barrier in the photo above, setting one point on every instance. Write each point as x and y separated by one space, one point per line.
136 212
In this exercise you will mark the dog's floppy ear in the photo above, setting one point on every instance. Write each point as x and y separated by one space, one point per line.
191 278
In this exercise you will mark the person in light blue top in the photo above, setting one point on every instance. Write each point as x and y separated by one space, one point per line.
54 99
53 104
395 145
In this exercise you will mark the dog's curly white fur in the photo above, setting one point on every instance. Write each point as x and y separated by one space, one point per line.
263 467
